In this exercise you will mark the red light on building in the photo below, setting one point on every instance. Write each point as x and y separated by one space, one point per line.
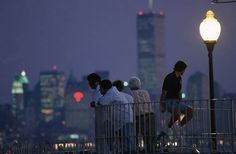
140 13
78 96
54 67
161 13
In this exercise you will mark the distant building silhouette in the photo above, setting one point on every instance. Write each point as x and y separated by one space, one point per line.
198 87
52 91
6 123
19 95
230 95
151 51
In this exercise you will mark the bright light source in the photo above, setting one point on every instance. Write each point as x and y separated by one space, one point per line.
210 28
74 136
126 83
23 73
183 95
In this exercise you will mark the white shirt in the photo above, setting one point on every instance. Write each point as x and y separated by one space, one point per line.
128 97
142 102
116 108
96 94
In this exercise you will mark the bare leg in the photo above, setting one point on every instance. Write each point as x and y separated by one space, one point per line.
174 117
187 117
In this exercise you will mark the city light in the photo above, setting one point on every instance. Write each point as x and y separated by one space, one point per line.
126 83
23 73
140 13
183 95
78 96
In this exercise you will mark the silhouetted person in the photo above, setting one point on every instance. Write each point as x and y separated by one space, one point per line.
93 81
171 96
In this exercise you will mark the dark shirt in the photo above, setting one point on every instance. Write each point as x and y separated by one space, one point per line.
172 85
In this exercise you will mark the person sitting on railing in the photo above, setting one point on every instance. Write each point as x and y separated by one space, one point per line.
93 81
118 120
144 115
171 96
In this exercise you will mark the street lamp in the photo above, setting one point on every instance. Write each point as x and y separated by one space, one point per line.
210 31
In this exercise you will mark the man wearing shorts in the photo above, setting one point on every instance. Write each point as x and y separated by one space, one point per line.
171 96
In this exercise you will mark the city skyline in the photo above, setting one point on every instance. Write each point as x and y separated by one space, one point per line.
77 35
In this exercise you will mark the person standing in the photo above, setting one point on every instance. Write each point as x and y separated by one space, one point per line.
170 99
144 115
93 82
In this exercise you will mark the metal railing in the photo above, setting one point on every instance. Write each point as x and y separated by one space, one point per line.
142 128
128 128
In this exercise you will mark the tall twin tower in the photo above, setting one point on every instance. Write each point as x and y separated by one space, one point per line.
151 51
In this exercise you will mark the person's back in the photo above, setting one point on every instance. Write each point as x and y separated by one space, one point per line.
145 118
116 116
141 97
112 98
127 107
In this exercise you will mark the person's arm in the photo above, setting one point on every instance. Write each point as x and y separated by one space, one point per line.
162 101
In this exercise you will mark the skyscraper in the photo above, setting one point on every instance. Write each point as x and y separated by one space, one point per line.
198 87
51 87
151 51
19 90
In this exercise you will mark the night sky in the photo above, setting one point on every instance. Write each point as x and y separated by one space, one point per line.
88 35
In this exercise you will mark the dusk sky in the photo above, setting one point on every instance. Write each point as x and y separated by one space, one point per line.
88 35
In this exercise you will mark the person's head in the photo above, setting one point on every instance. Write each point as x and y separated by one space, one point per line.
105 85
119 85
180 67
134 83
93 80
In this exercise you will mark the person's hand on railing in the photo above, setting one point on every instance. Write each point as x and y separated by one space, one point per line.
92 104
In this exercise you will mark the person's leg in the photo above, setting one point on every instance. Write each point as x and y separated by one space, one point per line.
138 131
188 114
174 117
173 108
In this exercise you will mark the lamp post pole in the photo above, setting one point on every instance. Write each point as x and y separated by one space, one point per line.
210 31
210 48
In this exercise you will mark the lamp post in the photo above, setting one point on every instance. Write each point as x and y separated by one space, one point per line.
210 31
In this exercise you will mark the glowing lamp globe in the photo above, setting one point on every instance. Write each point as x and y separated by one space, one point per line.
210 28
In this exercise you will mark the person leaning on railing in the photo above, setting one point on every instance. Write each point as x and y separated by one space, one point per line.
119 121
144 115
93 81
